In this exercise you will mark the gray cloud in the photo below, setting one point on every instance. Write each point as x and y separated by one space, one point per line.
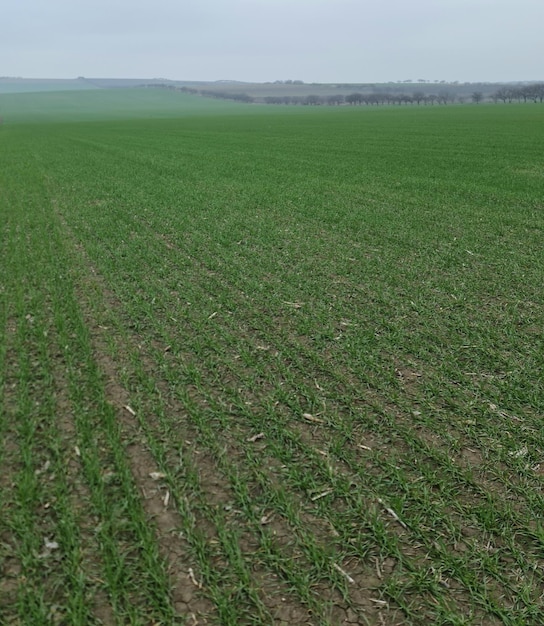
314 40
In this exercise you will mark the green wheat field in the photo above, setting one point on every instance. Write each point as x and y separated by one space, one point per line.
270 365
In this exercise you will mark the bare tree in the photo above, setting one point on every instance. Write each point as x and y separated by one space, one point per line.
354 98
445 96
477 97
501 94
335 99
418 96
312 99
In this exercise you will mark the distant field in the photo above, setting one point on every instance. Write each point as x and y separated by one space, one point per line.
270 365
27 85
104 104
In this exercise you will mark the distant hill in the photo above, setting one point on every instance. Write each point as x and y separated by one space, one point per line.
70 105
28 85
10 84
286 92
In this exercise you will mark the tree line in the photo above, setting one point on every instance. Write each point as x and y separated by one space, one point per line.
526 93
533 92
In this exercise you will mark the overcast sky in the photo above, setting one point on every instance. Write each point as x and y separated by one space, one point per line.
267 40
